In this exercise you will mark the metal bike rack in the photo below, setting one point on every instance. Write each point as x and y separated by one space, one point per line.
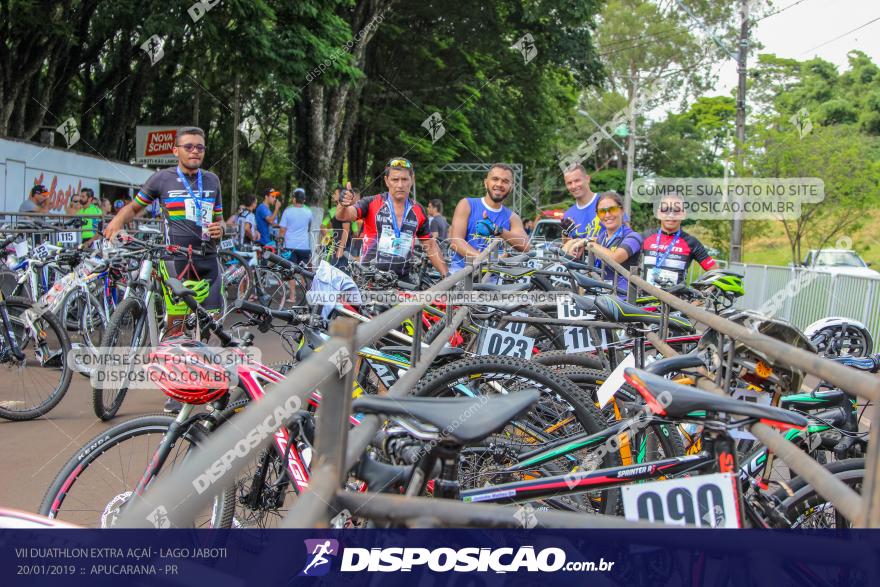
337 448
864 510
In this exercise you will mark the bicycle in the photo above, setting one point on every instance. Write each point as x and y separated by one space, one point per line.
35 347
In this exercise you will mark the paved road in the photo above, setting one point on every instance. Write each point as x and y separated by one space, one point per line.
34 451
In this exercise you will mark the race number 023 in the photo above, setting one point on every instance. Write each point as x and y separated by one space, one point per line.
500 342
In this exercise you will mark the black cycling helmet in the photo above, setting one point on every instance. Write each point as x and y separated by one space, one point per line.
754 366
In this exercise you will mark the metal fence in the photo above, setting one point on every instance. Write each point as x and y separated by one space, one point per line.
810 295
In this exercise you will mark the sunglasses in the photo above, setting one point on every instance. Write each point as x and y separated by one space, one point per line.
611 210
404 163
189 147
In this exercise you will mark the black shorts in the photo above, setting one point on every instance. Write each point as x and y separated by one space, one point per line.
297 256
207 268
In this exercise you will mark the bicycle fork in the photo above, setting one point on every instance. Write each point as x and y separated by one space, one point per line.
169 440
8 334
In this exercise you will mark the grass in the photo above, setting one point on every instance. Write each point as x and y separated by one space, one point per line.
773 248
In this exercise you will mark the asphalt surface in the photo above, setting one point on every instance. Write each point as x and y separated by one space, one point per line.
34 451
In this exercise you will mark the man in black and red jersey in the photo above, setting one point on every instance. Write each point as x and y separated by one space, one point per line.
667 253
392 222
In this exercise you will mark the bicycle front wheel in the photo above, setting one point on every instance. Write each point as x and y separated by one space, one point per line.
563 412
98 481
34 383
126 332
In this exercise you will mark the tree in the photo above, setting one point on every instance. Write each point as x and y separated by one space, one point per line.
844 159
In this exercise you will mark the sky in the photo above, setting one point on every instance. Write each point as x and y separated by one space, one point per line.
798 31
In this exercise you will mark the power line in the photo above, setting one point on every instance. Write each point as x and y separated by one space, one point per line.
843 35
780 10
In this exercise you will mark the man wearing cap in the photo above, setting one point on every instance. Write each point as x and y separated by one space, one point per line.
294 228
36 201
266 214
392 222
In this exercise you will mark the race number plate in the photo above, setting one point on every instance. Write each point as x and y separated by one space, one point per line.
577 338
614 382
563 280
708 501
517 328
501 342
42 251
227 244
67 238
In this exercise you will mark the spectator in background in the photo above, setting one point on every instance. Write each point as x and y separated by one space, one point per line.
294 230
335 233
528 225
37 201
106 206
267 214
437 223
87 207
295 225
246 222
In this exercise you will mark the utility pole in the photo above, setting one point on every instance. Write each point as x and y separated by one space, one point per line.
631 145
736 234
236 107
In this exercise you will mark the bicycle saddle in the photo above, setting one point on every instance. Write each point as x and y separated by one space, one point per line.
585 303
178 289
590 284
463 419
515 260
502 287
681 400
615 310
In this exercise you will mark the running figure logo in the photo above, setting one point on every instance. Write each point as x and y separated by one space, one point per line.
318 550
434 125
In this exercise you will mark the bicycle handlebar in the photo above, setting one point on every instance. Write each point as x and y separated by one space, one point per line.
281 261
285 315
189 298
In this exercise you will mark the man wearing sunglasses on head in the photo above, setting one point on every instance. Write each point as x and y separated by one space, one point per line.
392 222
668 252
476 221
192 209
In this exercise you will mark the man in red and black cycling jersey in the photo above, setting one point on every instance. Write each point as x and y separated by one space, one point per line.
667 253
392 222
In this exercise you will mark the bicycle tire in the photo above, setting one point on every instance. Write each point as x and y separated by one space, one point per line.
258 517
49 322
560 358
81 462
587 415
106 403
226 258
74 319
272 287
805 501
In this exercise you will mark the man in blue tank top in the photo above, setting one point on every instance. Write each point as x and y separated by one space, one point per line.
580 220
477 221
